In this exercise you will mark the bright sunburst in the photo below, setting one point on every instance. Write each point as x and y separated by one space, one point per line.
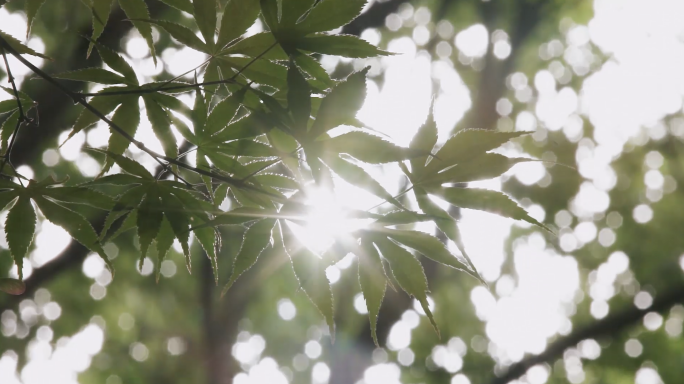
326 220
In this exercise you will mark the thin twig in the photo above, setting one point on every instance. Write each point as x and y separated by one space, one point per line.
155 90
22 117
184 73
162 88
78 98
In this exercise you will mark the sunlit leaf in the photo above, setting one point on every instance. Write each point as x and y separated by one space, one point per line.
191 202
276 180
93 75
483 167
298 97
239 215
117 63
358 177
205 16
402 217
9 126
261 44
118 179
136 10
445 223
128 165
486 200
124 223
19 228
103 104
286 144
79 195
255 200
174 211
309 269
314 68
223 162
238 15
467 144
23 96
164 242
255 240
161 125
127 117
208 239
292 10
32 8
7 106
184 130
269 10
184 35
181 5
78 227
423 140
340 45
149 221
427 245
260 71
407 271
19 47
7 196
199 113
124 204
245 147
369 148
223 113
100 11
331 14
341 104
373 282
321 173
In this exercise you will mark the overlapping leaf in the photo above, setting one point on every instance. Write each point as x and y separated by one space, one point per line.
296 26
309 269
123 101
256 239
21 219
270 117
151 202
407 271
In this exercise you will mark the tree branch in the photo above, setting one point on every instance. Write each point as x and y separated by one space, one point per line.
610 325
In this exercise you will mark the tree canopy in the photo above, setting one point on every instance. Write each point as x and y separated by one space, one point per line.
307 160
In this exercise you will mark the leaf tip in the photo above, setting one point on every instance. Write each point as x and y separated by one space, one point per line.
331 325
227 287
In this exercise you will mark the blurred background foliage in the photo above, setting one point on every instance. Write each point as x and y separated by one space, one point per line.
601 84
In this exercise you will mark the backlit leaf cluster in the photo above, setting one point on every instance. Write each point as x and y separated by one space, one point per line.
260 136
